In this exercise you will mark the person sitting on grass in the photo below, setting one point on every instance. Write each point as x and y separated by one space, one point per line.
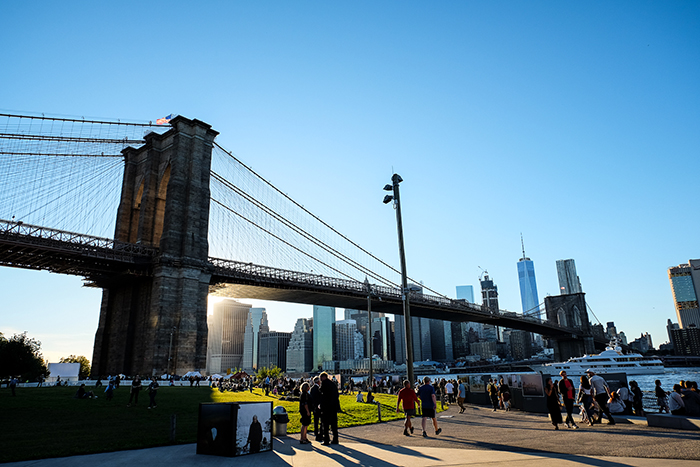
83 394
359 397
370 398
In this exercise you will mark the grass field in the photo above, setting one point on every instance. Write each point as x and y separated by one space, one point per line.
48 422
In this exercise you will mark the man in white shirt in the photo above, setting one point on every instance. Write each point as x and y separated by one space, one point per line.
675 401
601 394
449 388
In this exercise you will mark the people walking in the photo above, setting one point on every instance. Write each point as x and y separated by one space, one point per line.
553 407
566 389
601 394
585 398
330 406
461 395
407 397
504 395
109 390
449 391
493 393
134 393
152 392
428 402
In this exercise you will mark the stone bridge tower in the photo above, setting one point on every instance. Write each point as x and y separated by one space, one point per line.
157 324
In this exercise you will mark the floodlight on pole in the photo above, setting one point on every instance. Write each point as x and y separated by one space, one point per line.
396 179
370 380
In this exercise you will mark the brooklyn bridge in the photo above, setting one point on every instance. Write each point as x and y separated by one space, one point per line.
161 216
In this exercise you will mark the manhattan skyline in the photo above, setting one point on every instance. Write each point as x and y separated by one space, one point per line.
574 124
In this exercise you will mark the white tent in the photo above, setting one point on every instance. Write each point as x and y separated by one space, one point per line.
192 373
66 371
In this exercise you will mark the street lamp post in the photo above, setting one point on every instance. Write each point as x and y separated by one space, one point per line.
170 349
370 381
396 179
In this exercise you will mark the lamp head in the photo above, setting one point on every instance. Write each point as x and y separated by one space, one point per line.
388 188
388 199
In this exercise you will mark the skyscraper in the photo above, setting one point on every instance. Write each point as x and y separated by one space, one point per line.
441 340
685 286
273 349
489 297
226 335
422 347
361 319
568 280
324 317
489 294
382 338
257 323
528 285
300 352
465 292
348 342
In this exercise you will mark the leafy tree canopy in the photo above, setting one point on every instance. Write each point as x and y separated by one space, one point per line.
272 372
84 364
20 356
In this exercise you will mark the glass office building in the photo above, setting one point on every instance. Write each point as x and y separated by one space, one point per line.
528 287
685 286
324 318
465 292
257 323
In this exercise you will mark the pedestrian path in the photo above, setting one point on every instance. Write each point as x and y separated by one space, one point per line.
479 437
287 452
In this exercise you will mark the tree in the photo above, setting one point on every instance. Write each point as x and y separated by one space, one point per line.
84 364
21 356
273 372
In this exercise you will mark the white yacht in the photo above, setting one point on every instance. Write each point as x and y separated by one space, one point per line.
611 360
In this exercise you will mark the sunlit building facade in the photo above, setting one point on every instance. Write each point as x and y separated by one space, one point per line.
226 335
300 352
257 323
685 286
324 318
569 282
528 287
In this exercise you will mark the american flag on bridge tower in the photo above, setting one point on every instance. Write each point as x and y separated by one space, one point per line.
164 120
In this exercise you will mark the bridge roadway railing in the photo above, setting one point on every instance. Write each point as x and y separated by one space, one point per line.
28 237
265 274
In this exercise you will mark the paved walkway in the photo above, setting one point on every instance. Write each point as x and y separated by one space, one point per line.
479 437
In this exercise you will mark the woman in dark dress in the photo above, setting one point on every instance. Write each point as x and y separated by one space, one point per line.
305 412
550 389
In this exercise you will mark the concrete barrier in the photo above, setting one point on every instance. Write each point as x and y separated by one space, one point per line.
621 418
678 422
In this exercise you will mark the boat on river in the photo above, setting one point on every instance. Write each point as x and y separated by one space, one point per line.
611 360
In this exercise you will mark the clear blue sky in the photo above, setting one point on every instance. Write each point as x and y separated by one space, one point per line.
575 123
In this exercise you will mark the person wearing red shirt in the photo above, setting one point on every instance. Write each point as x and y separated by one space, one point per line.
409 398
568 395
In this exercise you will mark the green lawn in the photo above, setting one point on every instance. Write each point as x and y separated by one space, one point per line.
48 422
